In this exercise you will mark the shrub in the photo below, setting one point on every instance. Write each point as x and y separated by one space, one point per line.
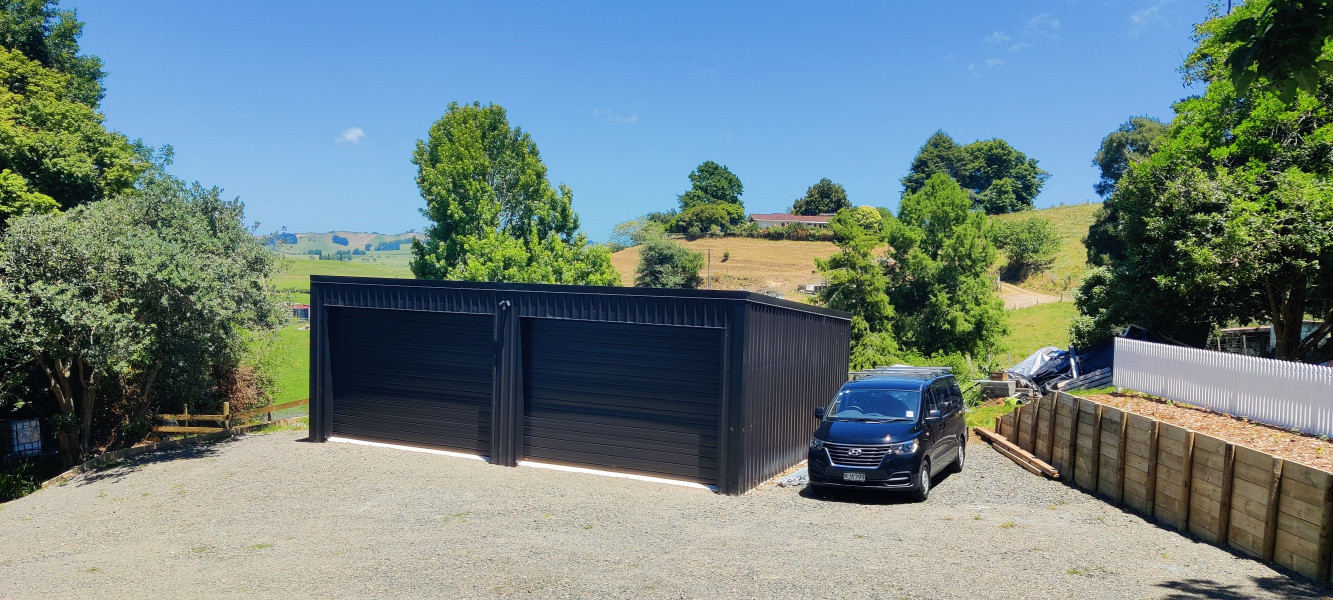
340 240
666 264
718 217
1029 244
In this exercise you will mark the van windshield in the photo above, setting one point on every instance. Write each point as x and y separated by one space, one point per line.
875 405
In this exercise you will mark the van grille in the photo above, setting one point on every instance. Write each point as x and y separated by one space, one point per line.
848 455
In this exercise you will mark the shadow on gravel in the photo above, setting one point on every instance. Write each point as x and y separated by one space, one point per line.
115 471
1283 587
867 496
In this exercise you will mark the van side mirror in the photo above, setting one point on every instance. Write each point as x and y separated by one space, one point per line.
819 413
933 415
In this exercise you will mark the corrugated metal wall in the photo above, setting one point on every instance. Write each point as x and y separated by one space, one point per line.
793 362
778 361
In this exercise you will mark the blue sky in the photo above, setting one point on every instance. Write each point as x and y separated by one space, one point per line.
309 111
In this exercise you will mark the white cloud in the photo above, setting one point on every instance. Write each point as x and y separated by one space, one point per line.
972 68
994 62
1019 46
998 37
1147 17
615 117
350 136
1043 23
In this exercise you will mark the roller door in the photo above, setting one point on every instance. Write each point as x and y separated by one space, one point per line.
412 377
633 398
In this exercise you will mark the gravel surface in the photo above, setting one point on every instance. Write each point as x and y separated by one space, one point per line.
273 516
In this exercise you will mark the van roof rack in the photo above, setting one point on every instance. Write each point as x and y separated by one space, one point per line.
902 371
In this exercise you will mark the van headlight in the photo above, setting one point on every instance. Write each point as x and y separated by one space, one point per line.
901 448
816 443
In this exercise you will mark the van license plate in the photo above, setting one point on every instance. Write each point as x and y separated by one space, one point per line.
853 476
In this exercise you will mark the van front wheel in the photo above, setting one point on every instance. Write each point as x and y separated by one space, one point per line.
922 490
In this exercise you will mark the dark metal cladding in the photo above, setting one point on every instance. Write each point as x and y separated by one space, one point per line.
709 386
793 363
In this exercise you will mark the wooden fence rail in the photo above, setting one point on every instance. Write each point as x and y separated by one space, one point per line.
224 420
1227 494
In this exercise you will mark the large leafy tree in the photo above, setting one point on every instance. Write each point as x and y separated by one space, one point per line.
1132 142
937 268
55 152
1231 218
711 183
495 215
824 197
856 284
998 178
40 31
1279 43
130 302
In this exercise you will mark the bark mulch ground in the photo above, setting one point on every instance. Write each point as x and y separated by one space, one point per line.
1298 447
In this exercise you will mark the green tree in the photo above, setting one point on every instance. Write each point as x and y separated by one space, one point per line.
988 164
998 178
634 232
1229 219
937 269
666 264
1132 142
129 302
856 284
824 197
940 154
1279 43
41 32
711 183
1030 245
706 219
56 153
495 216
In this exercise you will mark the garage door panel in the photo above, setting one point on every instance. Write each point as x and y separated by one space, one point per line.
415 377
644 410
687 435
699 473
567 387
427 439
635 398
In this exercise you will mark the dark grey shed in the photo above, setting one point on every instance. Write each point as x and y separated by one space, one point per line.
715 387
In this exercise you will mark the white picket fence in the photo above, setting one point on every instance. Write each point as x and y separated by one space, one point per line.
1286 394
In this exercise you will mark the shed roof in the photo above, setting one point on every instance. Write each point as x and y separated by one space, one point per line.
790 217
588 289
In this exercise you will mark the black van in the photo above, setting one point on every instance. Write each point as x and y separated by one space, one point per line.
892 428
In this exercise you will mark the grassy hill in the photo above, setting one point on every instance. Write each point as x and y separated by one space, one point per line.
323 242
754 265
1072 223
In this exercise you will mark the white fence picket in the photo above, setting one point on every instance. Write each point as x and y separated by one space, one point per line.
1276 392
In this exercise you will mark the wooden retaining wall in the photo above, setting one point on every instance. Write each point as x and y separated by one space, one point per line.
1227 494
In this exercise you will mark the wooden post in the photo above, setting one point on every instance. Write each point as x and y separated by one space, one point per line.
1120 464
226 415
1036 418
1326 538
187 414
1152 471
1228 477
1097 450
1050 434
1183 509
1018 425
1073 439
1270 518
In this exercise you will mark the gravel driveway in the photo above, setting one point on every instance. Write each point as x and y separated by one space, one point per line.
272 516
